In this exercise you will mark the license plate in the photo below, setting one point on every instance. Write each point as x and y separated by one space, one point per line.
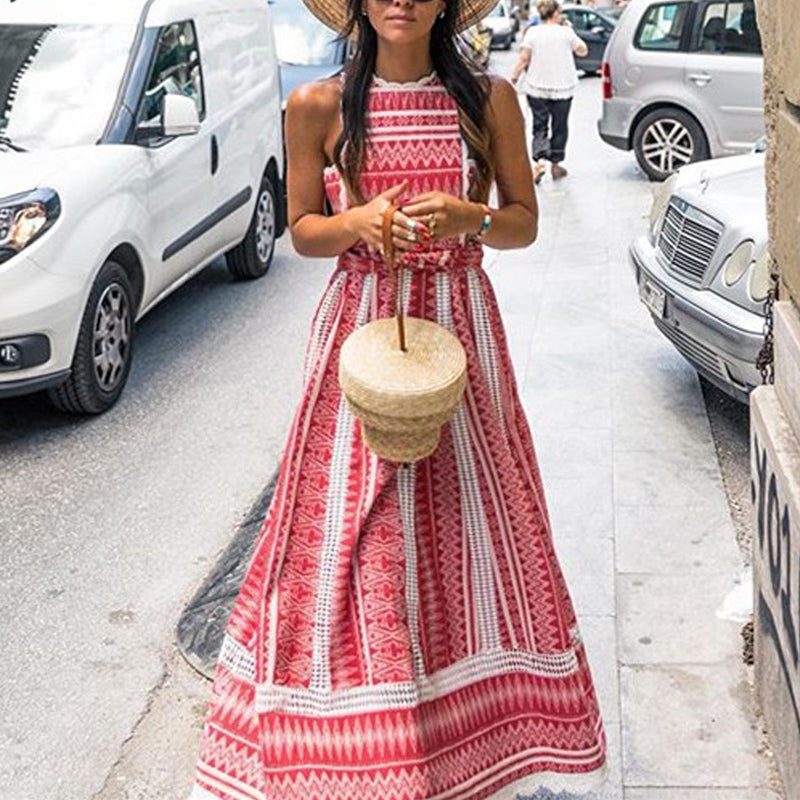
653 297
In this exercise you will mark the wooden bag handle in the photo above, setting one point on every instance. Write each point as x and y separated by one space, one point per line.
388 254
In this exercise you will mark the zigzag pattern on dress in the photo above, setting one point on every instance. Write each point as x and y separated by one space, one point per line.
405 635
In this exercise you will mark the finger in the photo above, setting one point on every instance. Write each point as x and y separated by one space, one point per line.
406 236
395 191
423 197
417 234
420 209
404 220
401 243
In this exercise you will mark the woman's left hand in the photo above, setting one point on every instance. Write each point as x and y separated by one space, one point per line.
444 215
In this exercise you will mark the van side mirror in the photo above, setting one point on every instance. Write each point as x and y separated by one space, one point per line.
179 115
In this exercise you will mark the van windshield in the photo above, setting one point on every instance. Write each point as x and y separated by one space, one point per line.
58 83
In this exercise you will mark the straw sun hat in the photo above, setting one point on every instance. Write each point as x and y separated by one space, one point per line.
334 12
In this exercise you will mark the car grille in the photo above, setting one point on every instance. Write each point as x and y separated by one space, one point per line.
687 241
693 350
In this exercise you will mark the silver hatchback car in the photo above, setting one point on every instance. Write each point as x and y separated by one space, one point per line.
682 82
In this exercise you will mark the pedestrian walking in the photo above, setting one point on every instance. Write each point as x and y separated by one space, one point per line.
404 631
546 58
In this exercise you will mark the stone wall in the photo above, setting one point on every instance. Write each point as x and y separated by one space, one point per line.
775 410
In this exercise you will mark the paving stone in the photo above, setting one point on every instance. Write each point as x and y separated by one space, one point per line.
683 793
565 453
662 410
613 789
588 565
580 506
669 539
673 619
600 637
689 725
667 477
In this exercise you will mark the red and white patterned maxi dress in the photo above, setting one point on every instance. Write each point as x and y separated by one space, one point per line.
405 632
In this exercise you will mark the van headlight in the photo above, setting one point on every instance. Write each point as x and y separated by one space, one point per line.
760 277
24 218
737 262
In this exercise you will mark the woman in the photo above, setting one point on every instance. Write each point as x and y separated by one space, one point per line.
404 631
546 52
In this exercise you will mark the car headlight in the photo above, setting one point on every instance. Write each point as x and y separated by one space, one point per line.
760 277
737 262
661 196
24 218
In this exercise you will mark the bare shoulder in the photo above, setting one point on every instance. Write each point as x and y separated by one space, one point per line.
315 102
502 98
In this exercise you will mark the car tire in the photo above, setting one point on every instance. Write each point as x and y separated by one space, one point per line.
103 352
666 140
509 42
252 257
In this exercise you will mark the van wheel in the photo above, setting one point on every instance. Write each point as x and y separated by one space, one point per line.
666 140
251 258
103 353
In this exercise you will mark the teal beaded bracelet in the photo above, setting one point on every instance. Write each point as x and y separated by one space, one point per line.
487 221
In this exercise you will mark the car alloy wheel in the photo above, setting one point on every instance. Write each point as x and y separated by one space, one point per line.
667 145
667 139
112 334
265 225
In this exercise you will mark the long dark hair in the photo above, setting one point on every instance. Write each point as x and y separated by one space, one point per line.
464 82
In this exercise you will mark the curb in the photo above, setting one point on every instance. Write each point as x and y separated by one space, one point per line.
201 626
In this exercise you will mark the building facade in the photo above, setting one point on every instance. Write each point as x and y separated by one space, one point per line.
775 409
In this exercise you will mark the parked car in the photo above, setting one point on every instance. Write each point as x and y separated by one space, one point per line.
595 27
139 141
503 25
307 49
682 82
703 268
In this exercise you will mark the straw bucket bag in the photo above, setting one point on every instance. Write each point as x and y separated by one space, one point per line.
403 377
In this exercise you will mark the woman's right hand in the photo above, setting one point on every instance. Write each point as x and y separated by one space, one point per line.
366 222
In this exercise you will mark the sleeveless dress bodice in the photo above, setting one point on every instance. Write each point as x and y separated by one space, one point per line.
413 135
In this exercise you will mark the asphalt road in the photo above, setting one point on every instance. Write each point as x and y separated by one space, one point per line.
109 524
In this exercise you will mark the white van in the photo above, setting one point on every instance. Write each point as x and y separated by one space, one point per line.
139 140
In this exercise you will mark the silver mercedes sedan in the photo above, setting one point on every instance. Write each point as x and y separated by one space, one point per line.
703 269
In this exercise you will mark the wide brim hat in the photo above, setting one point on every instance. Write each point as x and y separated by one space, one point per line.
333 13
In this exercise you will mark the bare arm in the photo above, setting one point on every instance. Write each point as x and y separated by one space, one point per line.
312 115
579 47
515 222
522 63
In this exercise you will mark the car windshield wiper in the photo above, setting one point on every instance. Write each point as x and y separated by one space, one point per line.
4 140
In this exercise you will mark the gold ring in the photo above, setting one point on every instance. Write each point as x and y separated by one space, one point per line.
410 223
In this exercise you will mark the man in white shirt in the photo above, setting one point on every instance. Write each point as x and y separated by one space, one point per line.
546 52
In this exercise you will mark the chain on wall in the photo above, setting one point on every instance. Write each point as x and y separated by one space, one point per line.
765 360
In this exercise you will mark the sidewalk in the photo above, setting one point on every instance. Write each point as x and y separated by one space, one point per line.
639 513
